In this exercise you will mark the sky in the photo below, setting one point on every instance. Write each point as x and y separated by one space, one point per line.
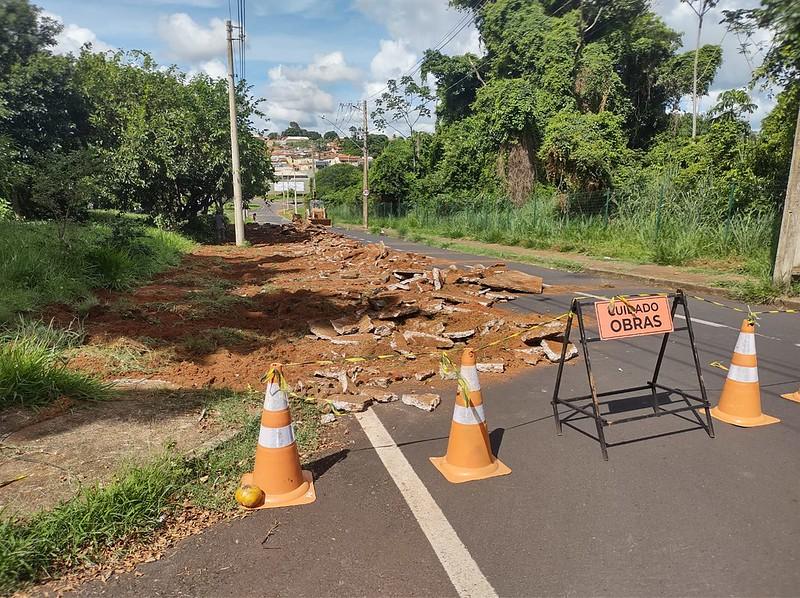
309 57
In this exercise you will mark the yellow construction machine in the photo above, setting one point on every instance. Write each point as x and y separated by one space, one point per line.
317 213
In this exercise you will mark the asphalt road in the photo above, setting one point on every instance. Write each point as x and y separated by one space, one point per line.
672 513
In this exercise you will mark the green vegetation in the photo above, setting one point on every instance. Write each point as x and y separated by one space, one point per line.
115 130
33 367
139 500
339 184
113 252
566 135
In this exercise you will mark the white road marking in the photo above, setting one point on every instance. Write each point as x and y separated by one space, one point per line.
461 568
706 322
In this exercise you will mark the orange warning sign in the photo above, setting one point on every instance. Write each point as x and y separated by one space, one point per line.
637 316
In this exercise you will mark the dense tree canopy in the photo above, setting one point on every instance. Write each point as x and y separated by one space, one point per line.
136 136
582 96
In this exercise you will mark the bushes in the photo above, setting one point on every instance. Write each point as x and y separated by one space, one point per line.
113 252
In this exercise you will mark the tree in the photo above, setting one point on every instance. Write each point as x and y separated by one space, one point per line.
582 151
731 105
677 74
24 33
330 135
339 183
405 103
391 176
458 79
700 8
65 184
165 140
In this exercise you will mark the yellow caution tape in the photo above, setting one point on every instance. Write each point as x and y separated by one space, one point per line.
718 365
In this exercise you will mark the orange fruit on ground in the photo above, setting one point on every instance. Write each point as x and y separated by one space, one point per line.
249 496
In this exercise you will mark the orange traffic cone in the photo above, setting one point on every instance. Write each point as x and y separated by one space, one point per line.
792 396
740 402
277 470
469 454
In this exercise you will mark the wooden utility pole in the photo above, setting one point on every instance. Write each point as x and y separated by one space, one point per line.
238 216
788 255
365 194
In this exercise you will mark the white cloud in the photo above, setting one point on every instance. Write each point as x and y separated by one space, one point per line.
188 40
215 69
423 23
326 67
392 61
73 37
299 100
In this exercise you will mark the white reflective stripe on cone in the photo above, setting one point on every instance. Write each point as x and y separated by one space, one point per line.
469 416
276 437
470 375
741 373
746 344
275 398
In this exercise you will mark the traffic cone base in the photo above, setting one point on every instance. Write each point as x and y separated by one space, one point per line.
457 475
792 396
744 422
302 495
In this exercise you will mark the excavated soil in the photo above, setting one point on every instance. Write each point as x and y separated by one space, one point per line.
224 315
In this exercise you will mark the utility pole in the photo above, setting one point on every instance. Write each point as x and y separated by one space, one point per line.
238 216
365 195
788 255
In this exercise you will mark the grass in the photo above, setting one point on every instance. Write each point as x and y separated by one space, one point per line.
33 368
670 229
38 270
137 502
127 355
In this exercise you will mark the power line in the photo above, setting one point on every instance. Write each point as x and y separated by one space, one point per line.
448 37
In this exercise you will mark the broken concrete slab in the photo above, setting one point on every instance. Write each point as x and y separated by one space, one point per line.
327 418
351 339
398 312
436 275
349 403
322 329
349 275
530 356
492 326
426 402
491 368
514 280
352 324
459 335
421 376
398 343
552 349
423 339
380 395
549 330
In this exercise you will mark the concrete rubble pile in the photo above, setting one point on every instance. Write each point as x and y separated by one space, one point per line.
407 306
